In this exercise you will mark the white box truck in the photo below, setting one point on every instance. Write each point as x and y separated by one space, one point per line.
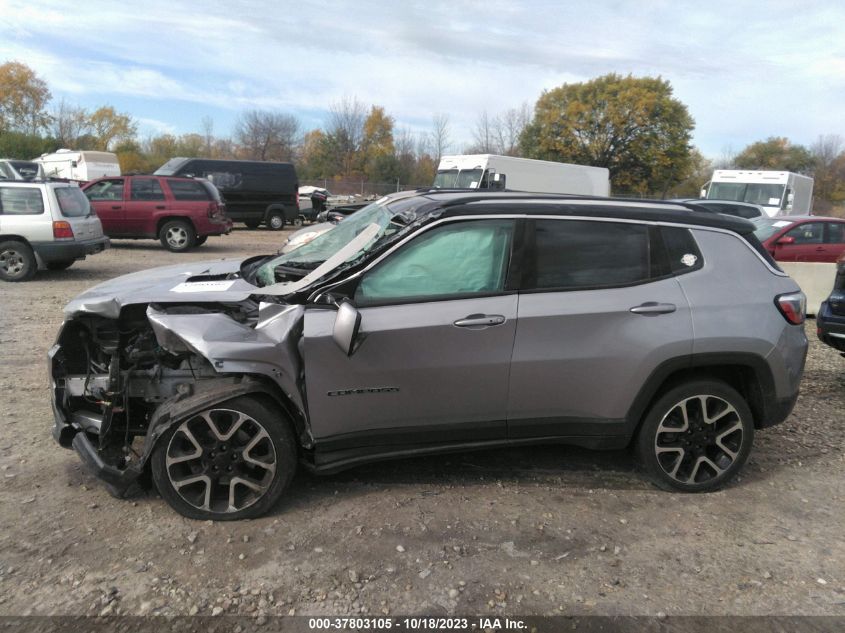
778 192
80 166
490 171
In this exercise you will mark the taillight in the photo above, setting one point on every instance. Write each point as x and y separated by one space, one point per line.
792 306
62 231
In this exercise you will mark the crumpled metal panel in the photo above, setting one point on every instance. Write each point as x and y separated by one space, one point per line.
270 348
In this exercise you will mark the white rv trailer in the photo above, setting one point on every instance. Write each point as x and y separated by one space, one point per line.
81 166
778 192
490 171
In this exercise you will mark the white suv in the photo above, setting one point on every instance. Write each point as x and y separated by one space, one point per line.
45 225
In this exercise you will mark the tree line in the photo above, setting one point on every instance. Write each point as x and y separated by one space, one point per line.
633 126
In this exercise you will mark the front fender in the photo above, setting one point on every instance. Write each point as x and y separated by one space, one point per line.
206 394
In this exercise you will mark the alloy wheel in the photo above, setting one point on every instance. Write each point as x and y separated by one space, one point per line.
221 461
177 237
699 439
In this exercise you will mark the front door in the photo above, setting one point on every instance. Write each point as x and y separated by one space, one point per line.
107 198
806 244
434 349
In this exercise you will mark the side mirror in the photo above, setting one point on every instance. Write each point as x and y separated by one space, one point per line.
346 326
785 241
498 182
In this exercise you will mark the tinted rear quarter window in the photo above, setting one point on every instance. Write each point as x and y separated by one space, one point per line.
572 254
682 251
21 201
188 190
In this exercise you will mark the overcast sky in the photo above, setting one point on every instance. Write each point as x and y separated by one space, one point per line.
746 70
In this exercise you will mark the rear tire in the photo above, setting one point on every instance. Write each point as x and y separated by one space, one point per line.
17 261
232 461
696 437
63 265
177 236
201 239
276 221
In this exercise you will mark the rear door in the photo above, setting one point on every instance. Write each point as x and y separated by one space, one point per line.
146 202
834 241
437 331
598 312
107 199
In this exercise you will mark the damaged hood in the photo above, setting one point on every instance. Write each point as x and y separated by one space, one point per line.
192 281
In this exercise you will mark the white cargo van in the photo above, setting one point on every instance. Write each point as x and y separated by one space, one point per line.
79 166
490 171
778 192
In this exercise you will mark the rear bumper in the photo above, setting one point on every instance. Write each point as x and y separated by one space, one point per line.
831 328
214 226
61 251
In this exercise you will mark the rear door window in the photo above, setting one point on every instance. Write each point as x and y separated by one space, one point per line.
21 201
582 254
144 189
188 190
835 233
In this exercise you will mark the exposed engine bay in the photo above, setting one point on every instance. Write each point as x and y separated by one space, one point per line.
120 382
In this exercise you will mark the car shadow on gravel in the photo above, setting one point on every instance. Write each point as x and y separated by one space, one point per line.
550 466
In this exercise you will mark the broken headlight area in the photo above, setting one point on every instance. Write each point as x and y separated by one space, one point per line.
108 378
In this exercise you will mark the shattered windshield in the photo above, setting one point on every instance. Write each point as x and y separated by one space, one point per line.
318 250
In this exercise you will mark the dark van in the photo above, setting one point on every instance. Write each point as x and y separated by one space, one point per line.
254 191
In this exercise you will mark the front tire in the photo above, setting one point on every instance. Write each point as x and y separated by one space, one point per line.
696 437
177 236
232 461
17 261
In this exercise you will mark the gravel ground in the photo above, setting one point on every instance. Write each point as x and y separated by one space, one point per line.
528 531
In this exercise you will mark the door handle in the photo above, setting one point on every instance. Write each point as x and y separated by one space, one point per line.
480 320
160 206
820 248
116 207
652 308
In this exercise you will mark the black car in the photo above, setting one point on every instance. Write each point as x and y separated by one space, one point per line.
255 192
830 320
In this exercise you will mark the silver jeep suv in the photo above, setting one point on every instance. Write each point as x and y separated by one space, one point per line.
45 225
432 321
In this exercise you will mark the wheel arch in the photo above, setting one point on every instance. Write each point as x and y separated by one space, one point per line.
14 237
167 218
219 390
748 373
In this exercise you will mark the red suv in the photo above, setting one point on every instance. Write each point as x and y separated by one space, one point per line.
802 238
181 212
